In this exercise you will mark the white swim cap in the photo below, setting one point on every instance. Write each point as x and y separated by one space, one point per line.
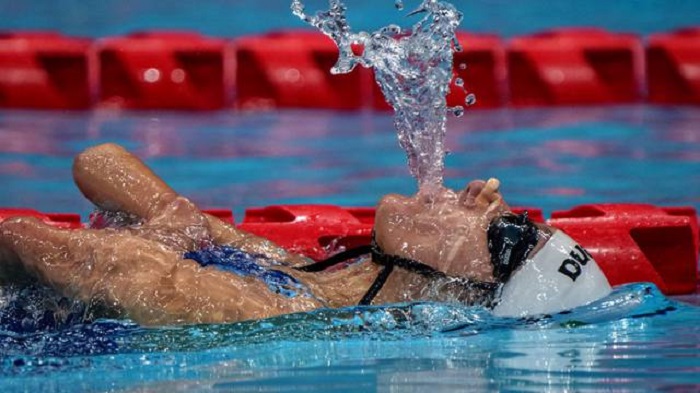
560 276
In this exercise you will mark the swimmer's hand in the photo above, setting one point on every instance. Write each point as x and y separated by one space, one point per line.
139 271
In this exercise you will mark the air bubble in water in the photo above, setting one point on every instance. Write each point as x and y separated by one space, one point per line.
470 100
462 66
391 30
458 111
457 45
399 4
459 82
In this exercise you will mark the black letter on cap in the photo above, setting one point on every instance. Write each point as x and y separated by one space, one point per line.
582 257
573 271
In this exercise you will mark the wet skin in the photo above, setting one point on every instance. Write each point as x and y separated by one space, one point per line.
138 272
446 230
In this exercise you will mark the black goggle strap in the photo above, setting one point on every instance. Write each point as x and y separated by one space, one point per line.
353 253
389 262
413 266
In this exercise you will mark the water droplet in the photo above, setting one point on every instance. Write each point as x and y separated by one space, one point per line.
470 100
457 45
358 48
459 82
391 30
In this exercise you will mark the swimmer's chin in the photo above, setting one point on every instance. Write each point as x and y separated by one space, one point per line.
433 192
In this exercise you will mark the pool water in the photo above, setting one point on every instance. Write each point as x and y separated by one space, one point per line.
636 340
234 18
548 158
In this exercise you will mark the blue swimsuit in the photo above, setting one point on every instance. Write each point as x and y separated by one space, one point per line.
243 264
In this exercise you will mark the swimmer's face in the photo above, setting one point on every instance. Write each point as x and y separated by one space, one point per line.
447 230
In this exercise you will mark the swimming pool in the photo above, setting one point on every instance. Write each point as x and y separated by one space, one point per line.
548 158
229 19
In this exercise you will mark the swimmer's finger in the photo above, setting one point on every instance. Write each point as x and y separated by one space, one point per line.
489 193
490 198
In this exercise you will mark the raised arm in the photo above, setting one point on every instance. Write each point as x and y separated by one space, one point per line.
116 180
141 271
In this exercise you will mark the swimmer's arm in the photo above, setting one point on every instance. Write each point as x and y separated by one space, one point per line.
226 234
114 179
138 278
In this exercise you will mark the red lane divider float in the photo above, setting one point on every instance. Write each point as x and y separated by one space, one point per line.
44 70
312 230
634 243
225 215
673 67
630 242
292 69
164 70
574 66
60 220
318 231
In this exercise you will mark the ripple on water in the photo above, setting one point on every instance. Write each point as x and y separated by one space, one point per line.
633 339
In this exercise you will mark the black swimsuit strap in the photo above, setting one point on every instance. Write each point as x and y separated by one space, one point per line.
389 262
376 286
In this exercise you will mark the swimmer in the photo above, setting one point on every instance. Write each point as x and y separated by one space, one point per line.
171 263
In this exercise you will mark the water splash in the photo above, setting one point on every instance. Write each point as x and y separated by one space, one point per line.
413 69
397 322
635 332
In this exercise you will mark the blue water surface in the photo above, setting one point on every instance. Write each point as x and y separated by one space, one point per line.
637 340
548 158
634 340
234 18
